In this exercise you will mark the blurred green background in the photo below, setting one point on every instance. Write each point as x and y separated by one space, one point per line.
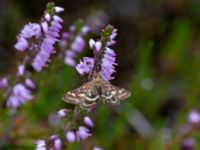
158 55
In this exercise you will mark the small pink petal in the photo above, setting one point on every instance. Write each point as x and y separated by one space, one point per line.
59 9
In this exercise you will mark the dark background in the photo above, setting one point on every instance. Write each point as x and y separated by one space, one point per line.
158 59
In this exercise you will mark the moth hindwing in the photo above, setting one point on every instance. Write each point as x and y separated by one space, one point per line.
113 94
94 91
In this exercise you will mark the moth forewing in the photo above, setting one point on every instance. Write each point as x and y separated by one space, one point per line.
123 94
86 95
70 98
113 94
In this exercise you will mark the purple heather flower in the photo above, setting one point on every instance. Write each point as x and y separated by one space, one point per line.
85 30
47 48
92 43
97 148
72 28
62 113
188 144
108 59
76 47
59 9
57 144
78 44
47 17
63 41
21 44
21 70
74 44
112 36
88 121
70 61
194 117
110 43
30 84
41 145
82 133
70 136
57 18
108 62
85 66
65 35
3 83
30 30
95 45
70 53
44 26
56 141
13 101
19 96
22 93
53 138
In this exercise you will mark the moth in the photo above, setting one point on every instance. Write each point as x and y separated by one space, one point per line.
94 91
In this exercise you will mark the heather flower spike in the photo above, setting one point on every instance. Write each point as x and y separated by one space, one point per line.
105 57
73 43
40 145
57 143
99 71
20 95
40 38
51 29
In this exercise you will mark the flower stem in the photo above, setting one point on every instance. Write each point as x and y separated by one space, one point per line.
74 117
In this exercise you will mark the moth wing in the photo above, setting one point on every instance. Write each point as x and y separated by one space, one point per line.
77 96
112 93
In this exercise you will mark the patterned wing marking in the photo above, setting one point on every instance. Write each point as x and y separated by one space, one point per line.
85 96
113 94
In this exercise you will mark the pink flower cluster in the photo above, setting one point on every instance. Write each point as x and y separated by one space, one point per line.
21 93
81 133
73 43
85 66
108 60
56 143
47 47
40 39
